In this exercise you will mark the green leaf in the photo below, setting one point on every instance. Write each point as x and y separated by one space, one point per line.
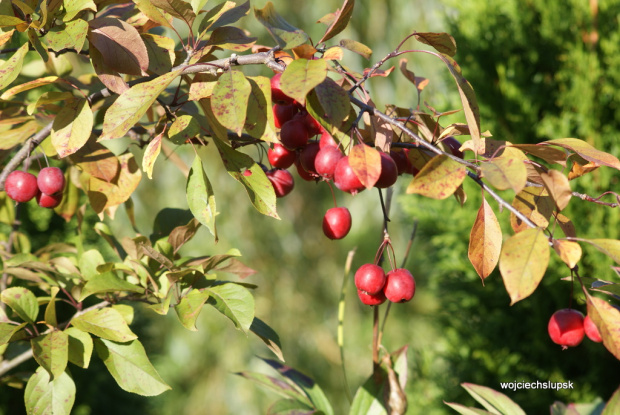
7 330
267 335
301 76
51 352
12 66
493 401
71 35
610 247
341 19
286 35
72 127
439 178
132 104
183 128
189 308
290 407
334 101
44 396
88 263
259 122
23 302
73 8
50 310
281 387
613 406
464 410
229 100
130 367
106 323
368 399
80 347
523 262
160 51
150 11
243 169
200 196
108 282
235 302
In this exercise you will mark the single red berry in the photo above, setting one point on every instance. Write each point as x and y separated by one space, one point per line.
283 113
281 157
345 178
327 140
591 330
453 145
389 171
401 160
312 125
370 278
371 299
337 222
282 181
307 157
51 180
326 160
294 134
49 201
21 186
399 285
277 95
566 327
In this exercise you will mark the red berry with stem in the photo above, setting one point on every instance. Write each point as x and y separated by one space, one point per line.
345 178
399 285
282 181
337 222
294 134
371 299
51 180
281 157
389 171
566 327
21 186
283 113
327 140
277 95
49 201
591 330
307 157
326 160
370 278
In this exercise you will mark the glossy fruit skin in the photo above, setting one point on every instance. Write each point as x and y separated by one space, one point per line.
51 180
21 186
282 181
401 160
277 96
327 139
591 330
294 134
283 113
337 222
566 327
345 178
370 278
313 125
307 157
303 173
326 160
399 285
48 201
281 157
389 171
371 299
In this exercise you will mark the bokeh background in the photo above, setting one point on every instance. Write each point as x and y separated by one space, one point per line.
541 70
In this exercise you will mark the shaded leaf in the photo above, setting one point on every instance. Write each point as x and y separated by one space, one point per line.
613 406
182 234
439 178
523 262
290 407
268 336
160 50
610 247
80 347
148 8
442 42
189 308
492 400
507 171
130 367
22 301
180 9
586 151
535 204
200 196
235 302
231 38
108 76
11 68
558 187
279 386
286 35
547 153
51 351
366 164
72 127
28 86
259 122
485 241
107 282
607 319
184 128
224 14
45 396
301 76
334 101
234 266
7 330
465 410
103 195
340 20
106 323
98 161
71 35
229 100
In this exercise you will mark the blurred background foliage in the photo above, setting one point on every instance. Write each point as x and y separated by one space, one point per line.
541 70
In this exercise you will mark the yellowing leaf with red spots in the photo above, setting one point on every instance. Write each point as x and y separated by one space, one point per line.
607 319
485 241
439 178
301 76
229 100
523 262
366 164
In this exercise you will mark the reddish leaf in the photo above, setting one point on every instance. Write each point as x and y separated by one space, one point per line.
341 20
586 151
97 161
109 77
607 319
419 82
442 42
178 8
578 170
439 178
120 45
485 241
523 262
547 153
366 163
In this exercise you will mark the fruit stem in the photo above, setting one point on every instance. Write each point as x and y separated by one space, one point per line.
333 194
375 339
386 218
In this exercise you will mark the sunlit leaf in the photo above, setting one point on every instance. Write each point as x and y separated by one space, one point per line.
148 8
45 396
160 50
366 164
106 323
200 196
301 76
7 330
103 194
613 405
73 8
150 155
492 400
229 100
284 34
72 127
607 319
340 22
189 308
569 252
442 42
22 301
51 351
356 47
11 68
268 336
71 35
523 262
180 9
558 187
108 282
535 204
610 247
28 86
334 101
259 122
485 241
235 302
439 178
586 151
507 171
80 347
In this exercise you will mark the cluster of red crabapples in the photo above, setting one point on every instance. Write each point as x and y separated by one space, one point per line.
567 328
320 159
47 187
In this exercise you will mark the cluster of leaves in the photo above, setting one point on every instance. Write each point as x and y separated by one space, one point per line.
131 94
